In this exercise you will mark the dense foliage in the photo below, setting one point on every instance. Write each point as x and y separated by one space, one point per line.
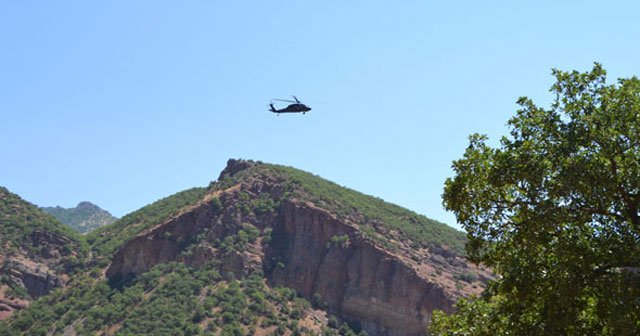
554 211
83 218
171 299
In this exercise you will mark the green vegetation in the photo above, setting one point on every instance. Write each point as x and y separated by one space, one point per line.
555 212
338 241
372 212
264 204
13 290
83 218
176 299
237 242
19 219
173 298
466 276
107 239
170 299
377 218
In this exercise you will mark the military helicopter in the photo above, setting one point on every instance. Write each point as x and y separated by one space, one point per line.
296 107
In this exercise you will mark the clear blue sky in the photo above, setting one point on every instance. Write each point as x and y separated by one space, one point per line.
125 102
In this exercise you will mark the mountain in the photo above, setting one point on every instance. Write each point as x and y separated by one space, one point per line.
37 253
265 249
83 218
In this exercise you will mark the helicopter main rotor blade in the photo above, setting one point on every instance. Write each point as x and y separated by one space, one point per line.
297 101
284 100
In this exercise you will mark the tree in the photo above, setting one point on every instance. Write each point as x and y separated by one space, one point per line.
554 211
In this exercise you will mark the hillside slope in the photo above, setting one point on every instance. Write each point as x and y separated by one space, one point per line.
37 253
265 249
376 265
106 240
83 218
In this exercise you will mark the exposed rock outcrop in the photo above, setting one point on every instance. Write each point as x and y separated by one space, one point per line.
8 306
358 280
162 243
235 166
34 274
320 255
36 278
36 253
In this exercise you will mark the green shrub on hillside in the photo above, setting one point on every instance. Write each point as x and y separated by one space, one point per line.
346 202
170 299
338 241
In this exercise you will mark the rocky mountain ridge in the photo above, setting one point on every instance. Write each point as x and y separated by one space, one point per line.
264 249
311 250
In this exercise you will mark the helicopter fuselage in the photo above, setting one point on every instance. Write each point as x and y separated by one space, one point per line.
293 108
296 107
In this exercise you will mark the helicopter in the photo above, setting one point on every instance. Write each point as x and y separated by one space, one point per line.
295 107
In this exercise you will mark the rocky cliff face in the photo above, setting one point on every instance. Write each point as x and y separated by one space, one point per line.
324 257
164 242
27 275
36 254
35 277
359 281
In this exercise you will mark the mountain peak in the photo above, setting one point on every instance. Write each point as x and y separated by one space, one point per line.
85 205
85 217
235 166
375 264
265 249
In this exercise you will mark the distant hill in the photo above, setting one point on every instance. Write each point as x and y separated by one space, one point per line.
85 217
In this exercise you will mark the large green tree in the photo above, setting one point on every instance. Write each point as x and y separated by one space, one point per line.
554 211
